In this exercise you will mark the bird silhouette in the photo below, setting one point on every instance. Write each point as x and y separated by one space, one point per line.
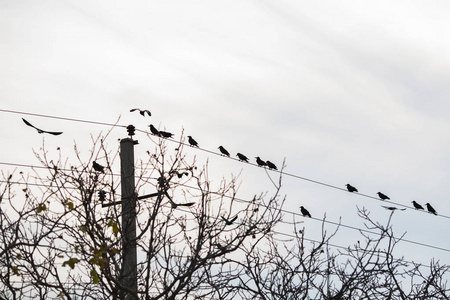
97 167
242 157
179 174
229 221
40 130
142 111
175 205
165 134
431 209
154 130
224 151
417 205
383 196
192 142
351 188
271 165
393 207
260 162
305 212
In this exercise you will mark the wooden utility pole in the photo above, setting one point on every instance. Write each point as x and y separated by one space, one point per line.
128 277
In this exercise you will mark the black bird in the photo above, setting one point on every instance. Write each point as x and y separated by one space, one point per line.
393 207
175 205
192 142
179 174
351 188
260 162
154 130
271 165
305 212
165 134
141 111
97 167
417 205
224 151
383 196
40 130
242 157
431 209
230 221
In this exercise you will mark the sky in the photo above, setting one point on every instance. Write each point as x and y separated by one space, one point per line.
343 91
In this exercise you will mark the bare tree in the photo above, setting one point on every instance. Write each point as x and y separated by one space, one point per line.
64 239
366 270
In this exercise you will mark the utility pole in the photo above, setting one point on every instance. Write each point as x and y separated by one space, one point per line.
128 278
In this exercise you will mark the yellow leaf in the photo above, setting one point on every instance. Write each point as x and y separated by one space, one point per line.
15 270
70 205
41 207
94 276
71 262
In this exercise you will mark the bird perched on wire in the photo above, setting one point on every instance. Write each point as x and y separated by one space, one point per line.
229 221
192 142
40 130
154 130
165 134
224 151
417 205
97 167
142 111
242 157
271 165
351 188
260 162
305 212
383 196
431 209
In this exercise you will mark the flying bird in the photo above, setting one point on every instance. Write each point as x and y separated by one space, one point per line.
242 157
260 162
165 134
431 209
179 174
192 142
393 207
417 205
97 167
383 196
154 130
305 212
271 165
224 151
142 111
40 130
229 221
175 205
351 188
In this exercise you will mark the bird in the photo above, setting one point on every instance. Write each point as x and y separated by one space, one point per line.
179 174
260 162
165 134
97 167
142 111
431 209
224 151
192 142
305 212
417 205
393 207
351 188
40 130
242 157
271 165
175 205
383 196
229 221
154 130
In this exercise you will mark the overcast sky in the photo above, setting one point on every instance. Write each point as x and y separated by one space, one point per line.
346 91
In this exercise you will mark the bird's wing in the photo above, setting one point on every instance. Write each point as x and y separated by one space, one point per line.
53 132
234 218
134 109
29 124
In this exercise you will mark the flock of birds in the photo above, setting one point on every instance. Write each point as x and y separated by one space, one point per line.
193 143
